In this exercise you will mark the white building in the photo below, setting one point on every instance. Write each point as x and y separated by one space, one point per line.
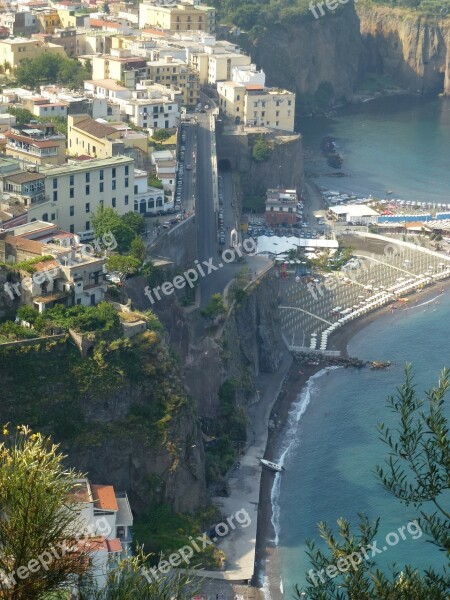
353 213
248 74
107 519
76 190
147 199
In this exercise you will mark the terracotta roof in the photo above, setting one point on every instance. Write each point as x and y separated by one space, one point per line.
253 86
23 244
102 23
46 265
24 177
92 127
104 497
114 545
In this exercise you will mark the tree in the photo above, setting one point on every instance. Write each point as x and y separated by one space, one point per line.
127 581
107 221
138 249
122 264
23 116
38 514
417 473
214 308
261 150
135 221
161 135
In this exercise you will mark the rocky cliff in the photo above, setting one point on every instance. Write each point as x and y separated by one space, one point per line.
121 415
341 47
302 56
413 49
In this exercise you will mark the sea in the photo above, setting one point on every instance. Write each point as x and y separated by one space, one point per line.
332 445
399 144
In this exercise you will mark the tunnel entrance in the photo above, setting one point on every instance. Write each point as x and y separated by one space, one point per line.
224 165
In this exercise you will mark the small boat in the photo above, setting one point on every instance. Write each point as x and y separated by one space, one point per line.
271 465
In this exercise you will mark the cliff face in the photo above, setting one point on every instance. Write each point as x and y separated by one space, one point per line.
413 49
284 165
304 55
121 415
341 47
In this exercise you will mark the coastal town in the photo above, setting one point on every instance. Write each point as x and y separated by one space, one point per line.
174 280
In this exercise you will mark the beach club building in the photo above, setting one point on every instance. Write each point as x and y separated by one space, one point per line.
353 213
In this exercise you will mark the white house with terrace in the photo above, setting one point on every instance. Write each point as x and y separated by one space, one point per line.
107 521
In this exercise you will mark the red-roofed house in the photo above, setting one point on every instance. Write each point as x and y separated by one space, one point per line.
107 520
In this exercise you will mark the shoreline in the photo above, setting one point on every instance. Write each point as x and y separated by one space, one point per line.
267 560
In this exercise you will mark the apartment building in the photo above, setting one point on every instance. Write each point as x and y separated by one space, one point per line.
173 73
19 23
36 143
183 16
14 50
281 207
121 67
154 107
71 278
256 106
88 137
41 107
47 20
76 190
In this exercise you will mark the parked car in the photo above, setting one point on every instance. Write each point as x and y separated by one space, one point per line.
188 168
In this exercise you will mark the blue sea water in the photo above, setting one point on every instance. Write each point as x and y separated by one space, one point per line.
401 144
332 448
331 451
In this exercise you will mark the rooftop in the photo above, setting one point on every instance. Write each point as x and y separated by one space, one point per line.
104 497
85 165
24 177
108 84
94 128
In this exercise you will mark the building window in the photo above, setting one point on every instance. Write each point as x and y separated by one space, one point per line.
135 189
53 216
72 192
72 230
289 102
88 177
114 171
71 180
55 196
102 173
101 186
55 184
126 200
88 207
88 225
71 211
113 202
88 190
126 181
113 184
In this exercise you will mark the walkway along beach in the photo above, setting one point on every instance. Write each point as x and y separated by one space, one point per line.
251 552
